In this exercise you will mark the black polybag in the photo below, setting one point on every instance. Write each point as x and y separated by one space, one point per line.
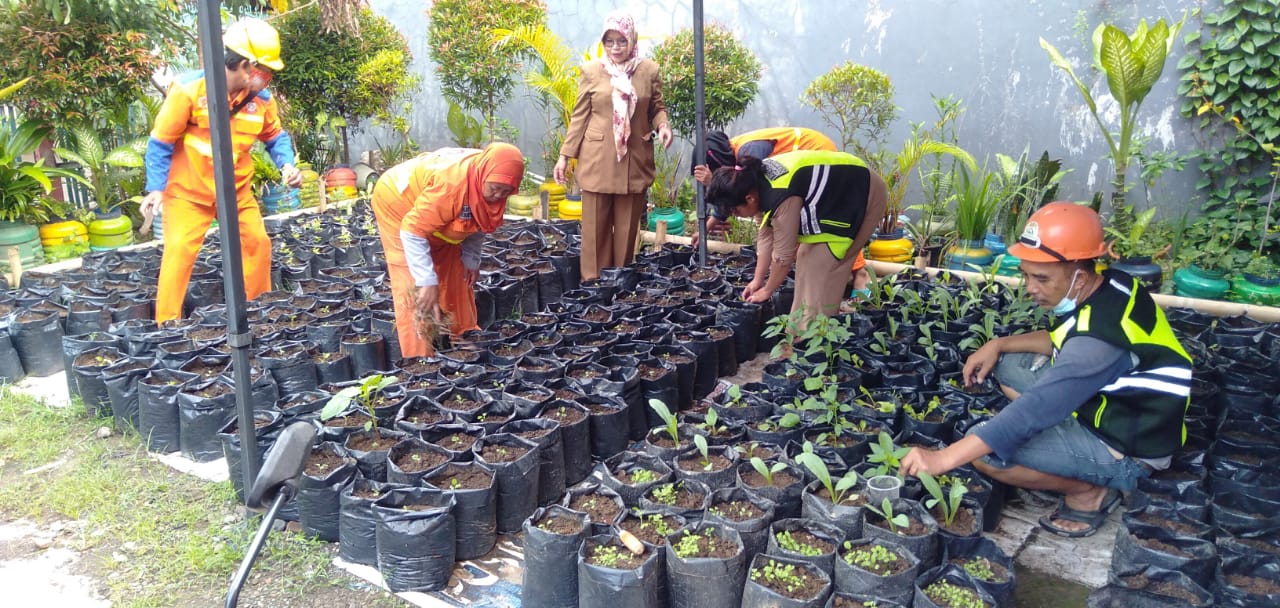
475 511
952 574
11 366
37 336
551 560
200 417
756 594
705 582
121 379
599 586
357 525
575 441
545 433
832 535
516 480
158 408
415 547
898 587
843 516
1257 566
980 546
1121 591
754 532
88 373
267 425
318 496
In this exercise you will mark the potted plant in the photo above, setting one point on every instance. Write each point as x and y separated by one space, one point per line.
113 179
1038 184
1134 254
24 186
856 101
1258 282
1132 63
979 196
1204 268
889 243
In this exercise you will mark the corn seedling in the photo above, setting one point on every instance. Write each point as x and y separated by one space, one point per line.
765 470
836 490
663 412
948 503
701 443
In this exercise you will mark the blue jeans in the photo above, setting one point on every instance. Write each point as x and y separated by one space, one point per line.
1065 449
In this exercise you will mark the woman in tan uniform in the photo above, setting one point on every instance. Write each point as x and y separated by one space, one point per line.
619 106
819 208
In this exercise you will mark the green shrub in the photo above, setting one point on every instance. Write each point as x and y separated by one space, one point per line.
731 78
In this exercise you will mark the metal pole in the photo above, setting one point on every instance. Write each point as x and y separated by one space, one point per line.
239 337
700 138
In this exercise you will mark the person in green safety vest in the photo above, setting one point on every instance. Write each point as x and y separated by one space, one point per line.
818 209
1106 409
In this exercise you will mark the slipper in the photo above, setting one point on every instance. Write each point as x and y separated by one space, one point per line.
1040 499
1093 519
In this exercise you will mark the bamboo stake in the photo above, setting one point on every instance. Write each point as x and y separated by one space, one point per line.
15 267
660 236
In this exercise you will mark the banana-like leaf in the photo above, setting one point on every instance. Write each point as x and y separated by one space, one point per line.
1057 59
71 155
88 145
13 88
37 173
123 157
1121 66
1152 53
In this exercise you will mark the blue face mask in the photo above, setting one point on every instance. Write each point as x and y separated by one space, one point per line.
1067 303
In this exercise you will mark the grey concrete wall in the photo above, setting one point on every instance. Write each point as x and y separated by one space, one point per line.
984 52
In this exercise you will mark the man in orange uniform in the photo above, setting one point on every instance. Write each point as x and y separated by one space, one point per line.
762 144
433 212
179 163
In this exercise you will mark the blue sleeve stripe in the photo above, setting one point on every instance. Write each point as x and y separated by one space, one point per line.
281 149
159 158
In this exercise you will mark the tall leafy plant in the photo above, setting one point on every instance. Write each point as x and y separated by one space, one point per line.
24 184
341 77
555 82
473 73
857 101
108 171
1132 63
731 79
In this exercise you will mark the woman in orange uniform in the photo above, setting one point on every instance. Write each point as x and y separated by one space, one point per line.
433 212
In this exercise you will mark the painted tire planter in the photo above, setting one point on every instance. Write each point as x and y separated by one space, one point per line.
1252 289
61 233
1196 282
967 254
1010 266
110 232
672 215
996 244
571 207
280 199
1141 268
892 248
26 239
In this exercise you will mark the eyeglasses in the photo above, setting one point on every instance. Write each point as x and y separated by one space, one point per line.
614 42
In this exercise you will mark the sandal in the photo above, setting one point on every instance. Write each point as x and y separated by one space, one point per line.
1093 519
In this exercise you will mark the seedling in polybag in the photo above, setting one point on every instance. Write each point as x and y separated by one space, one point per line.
365 394
701 442
835 489
948 503
765 470
668 418
886 456
894 520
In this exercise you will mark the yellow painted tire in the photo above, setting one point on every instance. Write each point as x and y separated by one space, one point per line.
890 250
570 209
59 232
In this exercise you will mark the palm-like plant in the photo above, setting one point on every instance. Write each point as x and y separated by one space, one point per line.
897 172
1132 63
557 81
107 169
978 199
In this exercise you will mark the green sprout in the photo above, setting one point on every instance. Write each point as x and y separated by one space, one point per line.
836 490
765 470
948 503
364 394
894 520
701 442
667 417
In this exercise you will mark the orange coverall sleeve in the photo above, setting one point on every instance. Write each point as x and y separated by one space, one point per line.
175 113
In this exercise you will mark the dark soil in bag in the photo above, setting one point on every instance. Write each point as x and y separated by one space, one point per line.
552 536
990 567
327 470
629 581
87 368
411 459
952 576
515 464
546 433
603 507
747 513
476 508
204 407
631 474
1161 548
888 573
805 540
415 538
158 420
37 336
575 437
802 585
1150 587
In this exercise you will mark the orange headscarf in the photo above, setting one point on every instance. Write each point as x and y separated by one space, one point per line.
499 163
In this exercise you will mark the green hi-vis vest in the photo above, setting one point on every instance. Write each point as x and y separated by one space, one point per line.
833 186
1141 413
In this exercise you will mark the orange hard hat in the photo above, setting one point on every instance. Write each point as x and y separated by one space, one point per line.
1061 231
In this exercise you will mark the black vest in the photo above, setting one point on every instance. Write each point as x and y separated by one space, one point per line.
1141 413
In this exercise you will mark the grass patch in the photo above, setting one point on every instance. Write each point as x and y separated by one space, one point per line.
153 535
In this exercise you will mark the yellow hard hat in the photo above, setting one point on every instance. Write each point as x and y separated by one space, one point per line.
255 40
